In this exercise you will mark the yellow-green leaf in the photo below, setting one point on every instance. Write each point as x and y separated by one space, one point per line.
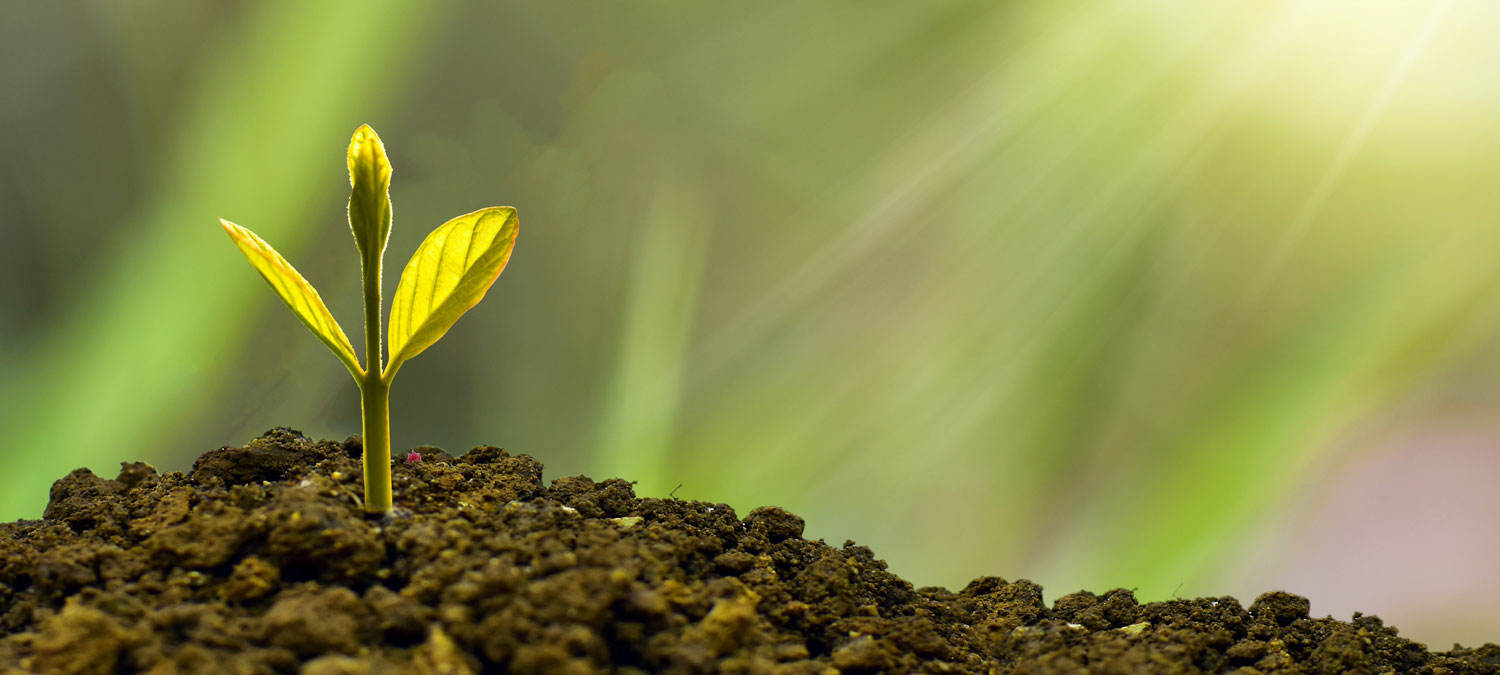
449 273
299 295
369 194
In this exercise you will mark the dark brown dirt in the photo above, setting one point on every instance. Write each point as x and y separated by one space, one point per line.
260 561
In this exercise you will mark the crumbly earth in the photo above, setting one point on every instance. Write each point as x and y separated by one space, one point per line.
260 560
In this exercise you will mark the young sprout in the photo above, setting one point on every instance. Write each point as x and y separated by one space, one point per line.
449 274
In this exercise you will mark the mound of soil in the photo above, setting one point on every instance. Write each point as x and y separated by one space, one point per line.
260 560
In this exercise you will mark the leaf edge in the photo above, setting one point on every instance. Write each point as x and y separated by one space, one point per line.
343 352
399 356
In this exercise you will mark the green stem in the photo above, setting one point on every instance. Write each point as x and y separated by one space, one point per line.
375 395
375 400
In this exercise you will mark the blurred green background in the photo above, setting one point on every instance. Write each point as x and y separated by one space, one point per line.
1098 294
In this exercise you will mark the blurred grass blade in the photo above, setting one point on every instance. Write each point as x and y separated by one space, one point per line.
298 295
449 273
369 196
644 403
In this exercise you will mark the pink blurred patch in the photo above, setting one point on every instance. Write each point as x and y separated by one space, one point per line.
1403 528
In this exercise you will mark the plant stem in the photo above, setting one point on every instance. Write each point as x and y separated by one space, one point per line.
375 399
375 394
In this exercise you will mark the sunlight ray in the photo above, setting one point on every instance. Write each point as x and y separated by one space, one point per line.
1281 250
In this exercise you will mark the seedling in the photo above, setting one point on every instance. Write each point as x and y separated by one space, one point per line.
448 275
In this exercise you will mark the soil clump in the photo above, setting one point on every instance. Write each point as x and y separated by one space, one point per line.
260 561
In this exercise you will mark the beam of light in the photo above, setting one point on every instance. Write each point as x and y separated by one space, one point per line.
967 129
1358 134
1160 169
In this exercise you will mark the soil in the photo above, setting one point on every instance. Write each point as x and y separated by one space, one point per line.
260 560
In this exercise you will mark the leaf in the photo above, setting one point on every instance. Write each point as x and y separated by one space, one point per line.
370 194
299 295
449 273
